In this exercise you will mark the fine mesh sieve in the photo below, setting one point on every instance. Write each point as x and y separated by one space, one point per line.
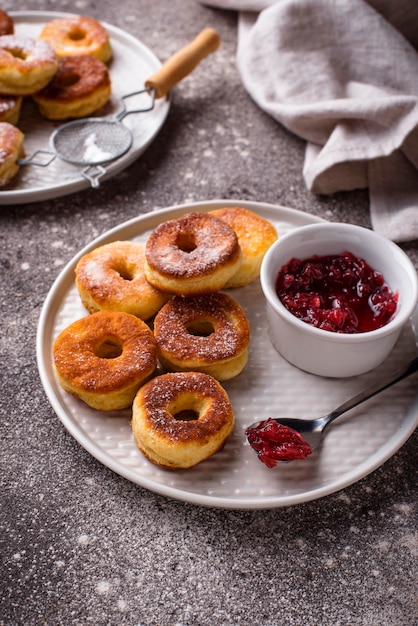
92 142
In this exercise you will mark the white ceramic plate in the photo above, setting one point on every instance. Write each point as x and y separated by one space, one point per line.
269 386
131 65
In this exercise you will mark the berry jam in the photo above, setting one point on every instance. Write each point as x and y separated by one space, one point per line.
274 442
340 293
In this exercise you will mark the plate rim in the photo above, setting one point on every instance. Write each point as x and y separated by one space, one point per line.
79 183
378 458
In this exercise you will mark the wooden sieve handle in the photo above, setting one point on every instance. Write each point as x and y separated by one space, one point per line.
183 62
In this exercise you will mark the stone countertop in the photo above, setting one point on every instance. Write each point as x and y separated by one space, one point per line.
81 545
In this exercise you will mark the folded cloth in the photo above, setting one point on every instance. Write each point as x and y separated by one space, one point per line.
344 77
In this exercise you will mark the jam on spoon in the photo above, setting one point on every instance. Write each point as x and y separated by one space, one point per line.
275 442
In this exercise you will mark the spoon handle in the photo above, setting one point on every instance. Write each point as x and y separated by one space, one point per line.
371 391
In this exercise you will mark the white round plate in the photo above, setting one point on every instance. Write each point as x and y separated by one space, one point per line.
234 478
132 63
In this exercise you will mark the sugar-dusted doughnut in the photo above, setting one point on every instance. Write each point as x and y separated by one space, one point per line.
181 419
80 87
255 236
10 107
208 333
78 35
11 150
6 24
26 65
112 277
103 359
192 254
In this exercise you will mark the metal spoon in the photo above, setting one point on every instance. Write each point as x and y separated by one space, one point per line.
312 431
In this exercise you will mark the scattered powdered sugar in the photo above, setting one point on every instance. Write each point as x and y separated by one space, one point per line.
92 152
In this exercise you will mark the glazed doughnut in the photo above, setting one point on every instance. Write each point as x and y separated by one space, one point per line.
10 109
80 87
11 149
112 277
255 236
181 419
26 65
78 35
208 333
6 24
192 254
104 358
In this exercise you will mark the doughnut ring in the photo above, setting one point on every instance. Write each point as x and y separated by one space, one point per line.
208 333
112 277
104 358
181 419
26 65
78 35
192 254
80 87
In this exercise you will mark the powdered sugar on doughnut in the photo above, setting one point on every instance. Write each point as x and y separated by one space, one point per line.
32 49
225 318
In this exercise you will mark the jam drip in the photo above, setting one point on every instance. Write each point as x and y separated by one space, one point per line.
339 293
274 442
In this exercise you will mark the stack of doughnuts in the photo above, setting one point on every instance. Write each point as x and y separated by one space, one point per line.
81 85
63 70
196 335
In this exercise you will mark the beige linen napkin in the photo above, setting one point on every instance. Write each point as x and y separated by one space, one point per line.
343 75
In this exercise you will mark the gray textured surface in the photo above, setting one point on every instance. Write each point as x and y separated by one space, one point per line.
79 544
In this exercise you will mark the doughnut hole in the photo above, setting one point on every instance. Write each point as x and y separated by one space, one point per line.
188 407
202 328
17 53
126 271
77 34
186 242
69 79
110 348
